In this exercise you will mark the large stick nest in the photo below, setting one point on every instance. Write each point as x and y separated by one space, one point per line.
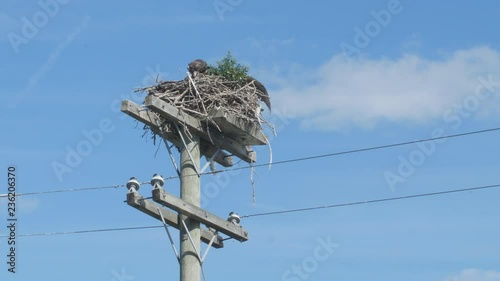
203 94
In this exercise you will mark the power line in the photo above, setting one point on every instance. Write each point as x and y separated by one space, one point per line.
344 152
276 212
360 150
277 162
371 201
87 231
69 190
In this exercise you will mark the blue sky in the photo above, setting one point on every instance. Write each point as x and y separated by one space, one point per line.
341 75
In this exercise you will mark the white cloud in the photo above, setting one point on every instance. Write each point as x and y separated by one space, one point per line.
475 275
28 205
23 204
363 92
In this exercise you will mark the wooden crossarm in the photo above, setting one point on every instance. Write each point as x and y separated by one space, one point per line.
198 214
147 117
200 128
149 207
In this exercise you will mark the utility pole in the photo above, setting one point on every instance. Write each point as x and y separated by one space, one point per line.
190 266
195 139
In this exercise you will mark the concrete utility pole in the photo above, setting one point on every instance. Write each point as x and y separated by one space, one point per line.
190 192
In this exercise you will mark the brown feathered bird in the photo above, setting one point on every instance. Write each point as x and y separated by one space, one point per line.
261 91
197 66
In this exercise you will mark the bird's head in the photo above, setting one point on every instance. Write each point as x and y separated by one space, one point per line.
197 66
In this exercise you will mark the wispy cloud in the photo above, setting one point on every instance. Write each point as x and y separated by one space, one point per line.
24 204
49 63
362 92
28 205
475 275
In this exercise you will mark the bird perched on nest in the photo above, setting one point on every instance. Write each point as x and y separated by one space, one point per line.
261 90
197 66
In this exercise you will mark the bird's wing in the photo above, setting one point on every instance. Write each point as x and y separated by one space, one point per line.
262 92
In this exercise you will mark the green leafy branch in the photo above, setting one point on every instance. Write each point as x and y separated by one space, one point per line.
229 68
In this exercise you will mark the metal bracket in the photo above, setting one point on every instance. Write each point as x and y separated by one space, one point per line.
208 248
191 240
172 158
196 169
209 161
200 258
170 236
